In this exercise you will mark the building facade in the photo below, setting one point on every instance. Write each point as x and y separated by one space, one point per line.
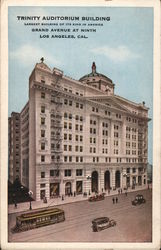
14 147
79 137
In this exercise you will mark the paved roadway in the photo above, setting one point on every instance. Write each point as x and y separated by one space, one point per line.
134 224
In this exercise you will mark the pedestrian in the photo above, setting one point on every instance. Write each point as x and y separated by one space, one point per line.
126 193
118 191
113 199
62 197
116 200
121 190
15 204
108 191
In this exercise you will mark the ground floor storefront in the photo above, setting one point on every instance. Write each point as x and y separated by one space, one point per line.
73 182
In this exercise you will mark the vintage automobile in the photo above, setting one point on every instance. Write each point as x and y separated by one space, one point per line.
139 199
102 223
97 197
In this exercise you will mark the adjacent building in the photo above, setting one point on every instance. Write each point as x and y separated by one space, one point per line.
14 147
77 136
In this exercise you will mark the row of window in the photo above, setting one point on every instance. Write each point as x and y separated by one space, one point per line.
128 152
56 173
93 122
131 129
70 159
80 158
92 150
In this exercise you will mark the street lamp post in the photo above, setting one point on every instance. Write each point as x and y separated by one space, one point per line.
30 195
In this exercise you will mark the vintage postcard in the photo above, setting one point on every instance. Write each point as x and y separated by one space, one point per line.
80 125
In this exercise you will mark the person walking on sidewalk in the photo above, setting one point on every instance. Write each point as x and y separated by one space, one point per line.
113 200
126 193
116 200
15 204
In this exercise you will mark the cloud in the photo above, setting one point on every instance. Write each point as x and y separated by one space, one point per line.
28 55
118 54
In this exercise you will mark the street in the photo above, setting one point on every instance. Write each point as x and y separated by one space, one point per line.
134 223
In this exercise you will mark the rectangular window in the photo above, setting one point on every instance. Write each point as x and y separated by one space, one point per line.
70 116
76 127
42 133
79 172
70 137
81 118
42 95
134 170
65 125
81 138
77 105
42 109
42 174
70 158
70 103
81 159
67 172
65 136
76 137
77 159
76 148
42 158
65 147
77 117
65 101
54 172
65 158
42 146
70 147
81 106
81 127
81 149
42 121
65 115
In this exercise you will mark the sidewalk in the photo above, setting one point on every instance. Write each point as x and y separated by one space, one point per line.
24 207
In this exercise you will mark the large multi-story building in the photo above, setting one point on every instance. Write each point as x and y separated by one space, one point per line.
78 136
14 147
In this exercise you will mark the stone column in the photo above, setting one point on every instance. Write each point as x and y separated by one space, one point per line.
124 178
62 185
101 180
113 178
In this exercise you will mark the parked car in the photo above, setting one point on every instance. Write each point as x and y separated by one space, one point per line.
97 197
139 199
101 223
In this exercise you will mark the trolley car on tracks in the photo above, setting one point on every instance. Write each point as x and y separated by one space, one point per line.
37 219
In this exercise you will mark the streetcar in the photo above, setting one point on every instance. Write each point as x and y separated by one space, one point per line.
38 218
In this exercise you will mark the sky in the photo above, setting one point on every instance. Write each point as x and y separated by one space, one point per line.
122 49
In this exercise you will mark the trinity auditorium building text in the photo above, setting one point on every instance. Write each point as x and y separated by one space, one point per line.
77 136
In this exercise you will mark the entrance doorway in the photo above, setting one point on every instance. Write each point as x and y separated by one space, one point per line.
79 187
54 190
107 180
117 179
42 194
128 181
68 188
139 180
94 182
